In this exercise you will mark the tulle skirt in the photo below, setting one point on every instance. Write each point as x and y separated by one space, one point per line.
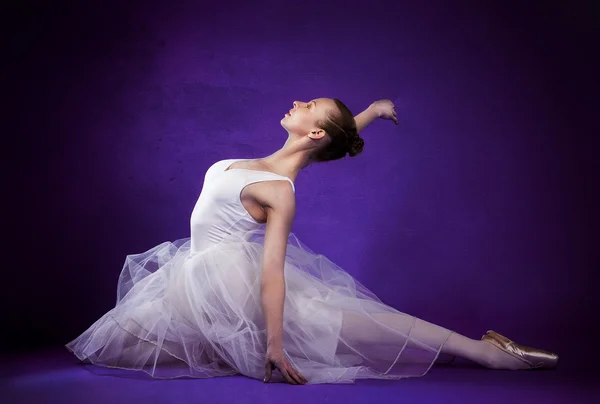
198 314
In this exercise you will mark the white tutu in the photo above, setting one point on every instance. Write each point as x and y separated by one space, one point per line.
180 313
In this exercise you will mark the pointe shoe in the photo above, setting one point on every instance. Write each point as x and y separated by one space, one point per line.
534 358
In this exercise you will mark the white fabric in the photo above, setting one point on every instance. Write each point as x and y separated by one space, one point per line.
192 307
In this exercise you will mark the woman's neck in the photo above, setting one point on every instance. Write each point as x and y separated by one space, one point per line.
287 162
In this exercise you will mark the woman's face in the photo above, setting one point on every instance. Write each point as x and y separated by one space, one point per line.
304 116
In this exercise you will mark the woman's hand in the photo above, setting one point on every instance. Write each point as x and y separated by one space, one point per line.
385 110
276 359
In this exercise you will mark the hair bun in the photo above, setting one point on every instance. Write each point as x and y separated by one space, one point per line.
355 145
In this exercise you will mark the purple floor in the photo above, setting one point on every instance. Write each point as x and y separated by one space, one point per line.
53 376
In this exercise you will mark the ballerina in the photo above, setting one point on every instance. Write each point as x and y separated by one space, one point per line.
243 295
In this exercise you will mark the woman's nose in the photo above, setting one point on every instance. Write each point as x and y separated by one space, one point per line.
295 104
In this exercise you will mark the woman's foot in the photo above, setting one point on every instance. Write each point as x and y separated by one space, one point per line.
502 353
495 358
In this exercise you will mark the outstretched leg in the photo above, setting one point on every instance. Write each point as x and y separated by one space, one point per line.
395 328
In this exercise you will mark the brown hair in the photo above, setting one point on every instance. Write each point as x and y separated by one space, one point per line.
341 128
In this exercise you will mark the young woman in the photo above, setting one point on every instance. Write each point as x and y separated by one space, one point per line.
243 295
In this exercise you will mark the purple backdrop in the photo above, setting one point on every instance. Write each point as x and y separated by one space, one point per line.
477 212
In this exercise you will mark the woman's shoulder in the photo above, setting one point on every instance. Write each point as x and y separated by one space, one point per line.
272 191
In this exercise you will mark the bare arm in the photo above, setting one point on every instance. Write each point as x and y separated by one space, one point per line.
280 204
365 118
281 209
379 109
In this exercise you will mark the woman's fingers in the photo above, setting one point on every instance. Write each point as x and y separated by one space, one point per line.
268 370
290 374
296 375
304 379
287 376
293 374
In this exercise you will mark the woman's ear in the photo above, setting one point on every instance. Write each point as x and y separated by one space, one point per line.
316 133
